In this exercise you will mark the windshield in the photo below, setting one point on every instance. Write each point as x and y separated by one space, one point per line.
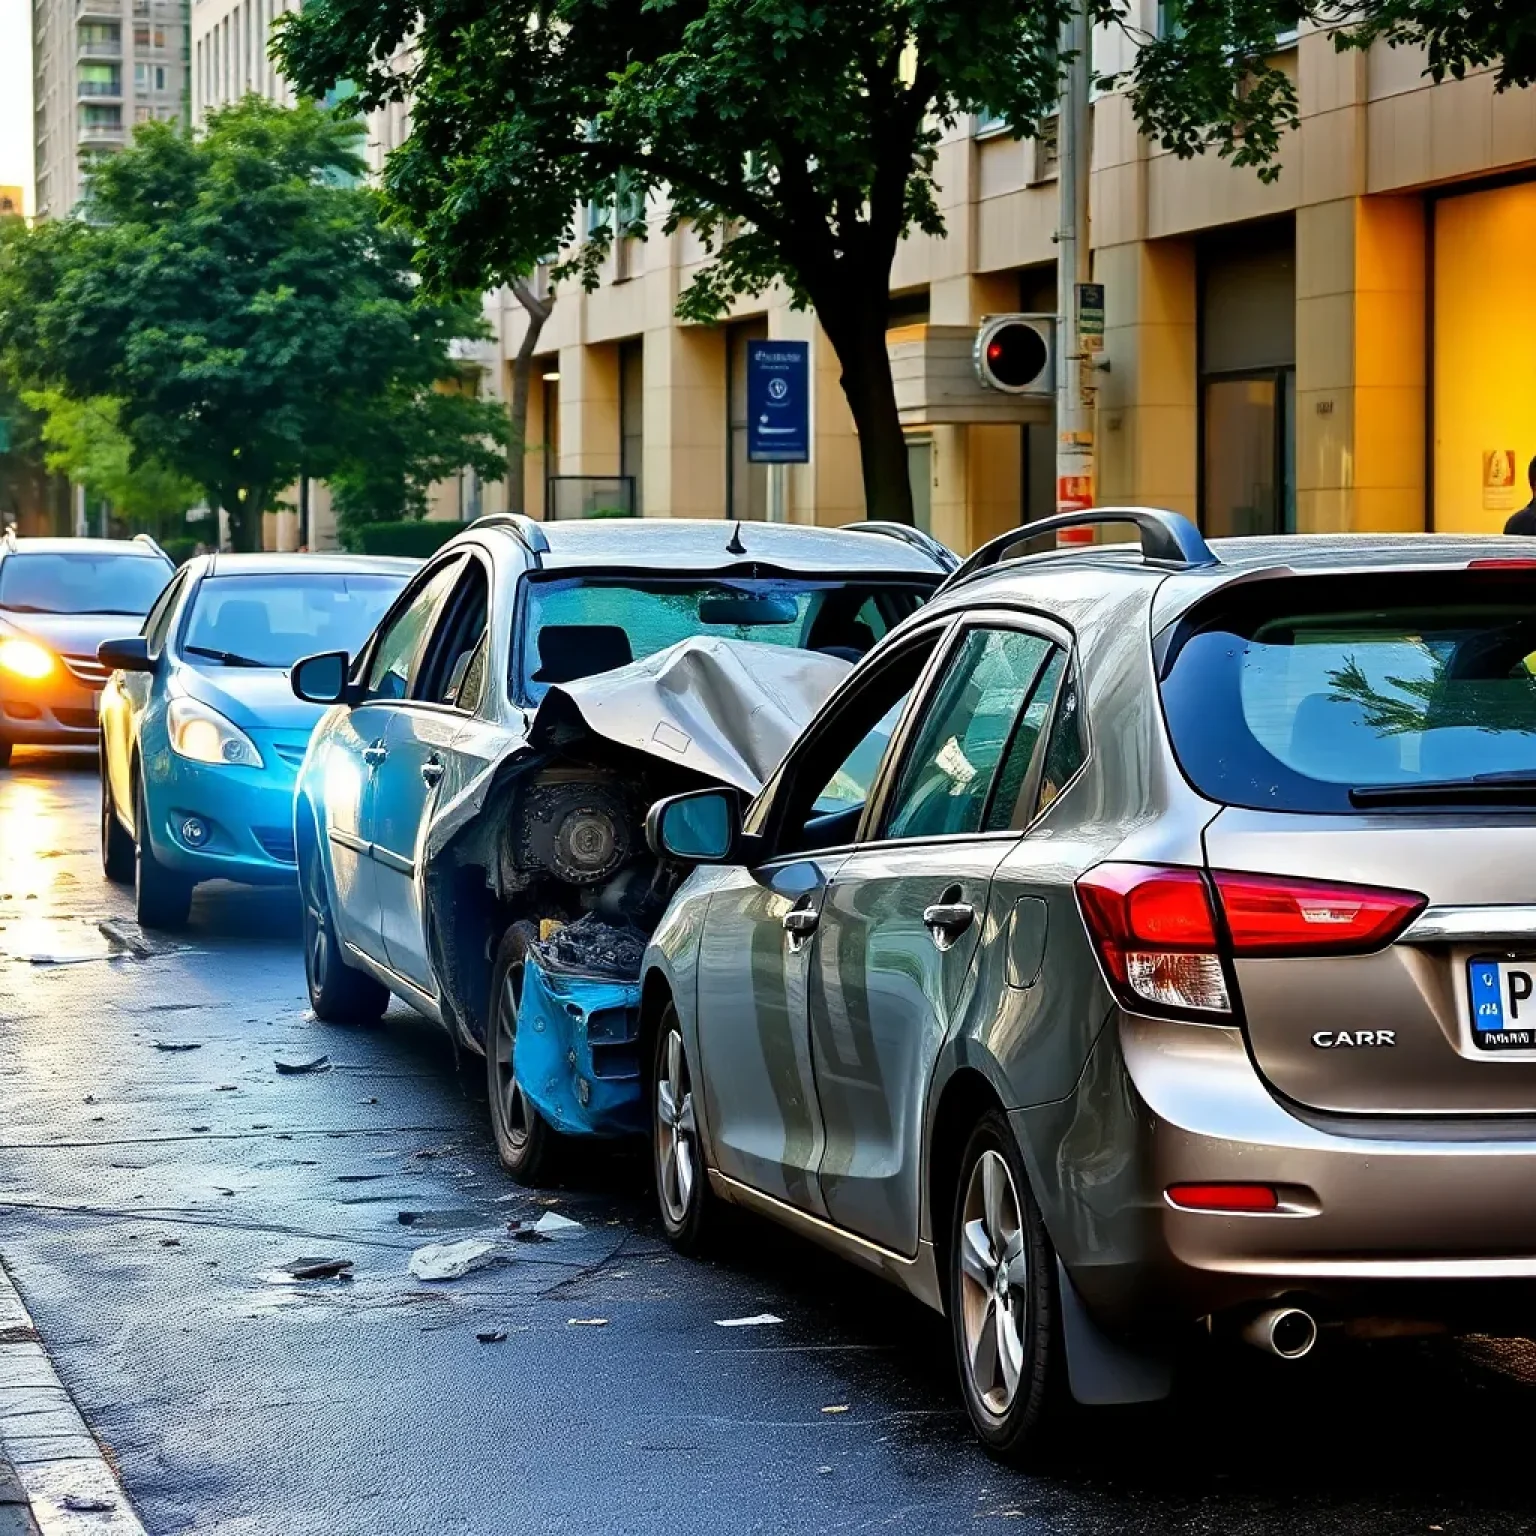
83 583
1326 685
577 627
275 619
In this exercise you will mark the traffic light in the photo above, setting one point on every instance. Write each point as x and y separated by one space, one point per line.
1015 354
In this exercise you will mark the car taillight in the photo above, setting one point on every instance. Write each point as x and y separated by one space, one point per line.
1156 935
1224 1197
1274 915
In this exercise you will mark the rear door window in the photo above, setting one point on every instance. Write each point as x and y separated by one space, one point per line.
1315 693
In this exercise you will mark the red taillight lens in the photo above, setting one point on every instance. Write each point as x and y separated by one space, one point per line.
1269 915
1156 934
1501 563
1224 1197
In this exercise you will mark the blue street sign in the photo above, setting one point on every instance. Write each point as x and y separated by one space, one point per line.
778 402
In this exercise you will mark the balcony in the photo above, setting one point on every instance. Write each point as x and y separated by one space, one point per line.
104 135
99 90
106 10
100 50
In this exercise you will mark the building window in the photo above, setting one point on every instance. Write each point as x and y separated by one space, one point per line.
100 80
632 417
551 382
920 474
1248 381
746 484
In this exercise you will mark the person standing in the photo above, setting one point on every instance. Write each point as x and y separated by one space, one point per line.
1524 521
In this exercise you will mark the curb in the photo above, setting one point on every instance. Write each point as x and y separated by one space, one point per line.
55 1459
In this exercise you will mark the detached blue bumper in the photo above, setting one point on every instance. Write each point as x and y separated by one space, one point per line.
244 817
577 1053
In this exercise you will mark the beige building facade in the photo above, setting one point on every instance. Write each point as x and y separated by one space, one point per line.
1347 347
100 67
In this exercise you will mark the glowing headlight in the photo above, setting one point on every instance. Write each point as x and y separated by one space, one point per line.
26 658
204 735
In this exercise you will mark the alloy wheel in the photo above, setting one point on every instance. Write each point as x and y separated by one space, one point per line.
510 1100
317 931
994 1283
676 1132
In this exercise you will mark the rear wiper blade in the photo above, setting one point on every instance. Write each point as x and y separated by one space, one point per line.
1516 787
229 658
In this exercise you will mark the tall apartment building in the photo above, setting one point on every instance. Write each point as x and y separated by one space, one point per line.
99 68
1348 347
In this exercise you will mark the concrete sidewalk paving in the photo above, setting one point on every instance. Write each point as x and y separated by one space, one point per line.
54 1479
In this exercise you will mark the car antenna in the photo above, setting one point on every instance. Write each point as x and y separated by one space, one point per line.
736 547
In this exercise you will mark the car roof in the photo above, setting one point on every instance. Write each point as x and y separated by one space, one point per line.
696 544
51 546
324 563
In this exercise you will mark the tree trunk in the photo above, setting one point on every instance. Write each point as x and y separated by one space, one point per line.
858 337
538 311
245 520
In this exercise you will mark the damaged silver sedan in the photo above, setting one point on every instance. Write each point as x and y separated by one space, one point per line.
469 819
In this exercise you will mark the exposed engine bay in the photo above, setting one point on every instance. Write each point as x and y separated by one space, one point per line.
552 837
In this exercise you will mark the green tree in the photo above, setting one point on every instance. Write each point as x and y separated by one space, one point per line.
243 300
798 138
84 442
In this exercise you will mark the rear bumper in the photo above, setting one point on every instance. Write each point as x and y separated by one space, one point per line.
1392 1215
58 711
247 814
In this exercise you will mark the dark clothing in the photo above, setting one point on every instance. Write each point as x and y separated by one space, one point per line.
1523 521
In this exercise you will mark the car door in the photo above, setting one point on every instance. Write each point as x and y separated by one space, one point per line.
759 936
358 749
420 763
902 916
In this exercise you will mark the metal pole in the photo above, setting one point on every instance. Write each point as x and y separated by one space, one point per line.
1074 159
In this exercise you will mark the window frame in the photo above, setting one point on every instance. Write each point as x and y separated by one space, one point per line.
446 615
175 590
362 663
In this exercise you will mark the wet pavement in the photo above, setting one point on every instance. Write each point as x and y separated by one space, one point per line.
159 1176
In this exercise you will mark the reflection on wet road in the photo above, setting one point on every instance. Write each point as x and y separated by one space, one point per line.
159 1177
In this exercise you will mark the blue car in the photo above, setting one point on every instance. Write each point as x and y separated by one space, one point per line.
201 735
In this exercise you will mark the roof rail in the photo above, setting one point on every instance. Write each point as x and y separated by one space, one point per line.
941 554
527 532
1167 538
144 538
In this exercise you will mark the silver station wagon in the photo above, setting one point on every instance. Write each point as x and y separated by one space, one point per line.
1141 937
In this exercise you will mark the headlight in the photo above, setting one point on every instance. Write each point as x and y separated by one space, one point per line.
204 735
26 658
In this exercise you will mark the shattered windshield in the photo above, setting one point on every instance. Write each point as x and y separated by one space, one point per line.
575 627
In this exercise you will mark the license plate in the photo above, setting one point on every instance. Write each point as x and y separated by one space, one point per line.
1503 994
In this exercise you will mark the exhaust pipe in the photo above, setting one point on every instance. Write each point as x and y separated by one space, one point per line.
1285 1332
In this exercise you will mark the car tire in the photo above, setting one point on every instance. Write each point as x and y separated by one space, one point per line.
682 1187
526 1143
117 855
1008 1348
338 993
162 898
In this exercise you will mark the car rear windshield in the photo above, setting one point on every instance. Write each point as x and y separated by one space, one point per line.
83 583
273 620
574 627
1340 692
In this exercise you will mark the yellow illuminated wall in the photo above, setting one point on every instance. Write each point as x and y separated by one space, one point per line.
1485 356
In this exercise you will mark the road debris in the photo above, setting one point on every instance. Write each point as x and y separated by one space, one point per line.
227 1088
115 932
87 1504
760 1320
452 1261
177 1045
835 1408
170 1242
552 1224
492 1336
586 1322
295 1068
319 1269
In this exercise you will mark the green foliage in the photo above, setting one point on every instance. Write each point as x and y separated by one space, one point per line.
84 442
247 307
180 549
416 539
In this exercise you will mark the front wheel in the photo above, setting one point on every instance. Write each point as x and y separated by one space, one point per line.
338 993
682 1189
162 898
1003 1297
117 856
525 1142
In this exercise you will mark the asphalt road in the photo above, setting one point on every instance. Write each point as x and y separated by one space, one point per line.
149 1198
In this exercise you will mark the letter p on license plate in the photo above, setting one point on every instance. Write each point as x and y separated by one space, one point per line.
1503 998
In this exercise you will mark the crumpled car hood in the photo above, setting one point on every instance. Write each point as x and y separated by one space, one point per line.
726 709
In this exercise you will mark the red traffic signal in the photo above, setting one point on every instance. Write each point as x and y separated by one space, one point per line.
1013 354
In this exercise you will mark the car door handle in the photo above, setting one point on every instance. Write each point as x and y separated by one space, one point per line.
432 771
375 753
947 920
800 923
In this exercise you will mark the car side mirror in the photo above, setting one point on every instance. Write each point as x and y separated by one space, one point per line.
126 655
321 679
702 827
